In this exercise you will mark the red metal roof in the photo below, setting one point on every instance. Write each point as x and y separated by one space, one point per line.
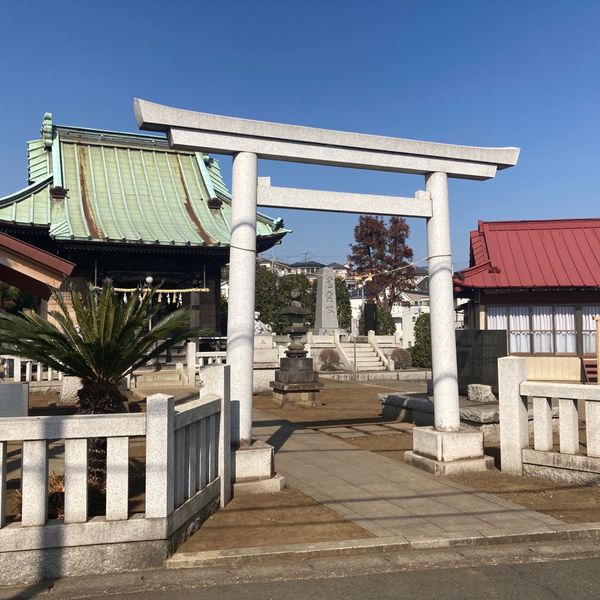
533 254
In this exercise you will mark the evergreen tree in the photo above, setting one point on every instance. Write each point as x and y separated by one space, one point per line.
344 310
267 296
385 322
421 351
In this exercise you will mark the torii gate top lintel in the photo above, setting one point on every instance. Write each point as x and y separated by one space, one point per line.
230 135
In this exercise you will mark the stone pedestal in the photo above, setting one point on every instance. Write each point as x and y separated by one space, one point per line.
296 383
253 471
448 452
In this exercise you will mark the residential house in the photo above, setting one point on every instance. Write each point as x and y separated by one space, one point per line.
539 281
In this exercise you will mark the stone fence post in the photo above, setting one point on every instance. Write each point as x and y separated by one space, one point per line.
514 425
160 456
190 363
217 380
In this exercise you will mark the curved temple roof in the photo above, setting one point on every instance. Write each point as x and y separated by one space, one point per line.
100 186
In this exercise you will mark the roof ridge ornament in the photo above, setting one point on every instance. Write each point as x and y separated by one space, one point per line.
46 130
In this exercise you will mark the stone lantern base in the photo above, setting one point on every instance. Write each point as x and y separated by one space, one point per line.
296 383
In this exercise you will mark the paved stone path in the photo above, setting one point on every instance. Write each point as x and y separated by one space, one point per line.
386 497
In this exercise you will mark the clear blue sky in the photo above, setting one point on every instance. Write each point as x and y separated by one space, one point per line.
494 73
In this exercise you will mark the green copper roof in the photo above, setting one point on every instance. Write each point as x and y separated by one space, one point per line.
106 186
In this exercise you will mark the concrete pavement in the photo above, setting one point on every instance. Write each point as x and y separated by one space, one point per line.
386 497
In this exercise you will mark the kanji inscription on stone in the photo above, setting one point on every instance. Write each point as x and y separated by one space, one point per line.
326 313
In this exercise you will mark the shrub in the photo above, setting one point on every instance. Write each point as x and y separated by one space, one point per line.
421 351
402 358
329 359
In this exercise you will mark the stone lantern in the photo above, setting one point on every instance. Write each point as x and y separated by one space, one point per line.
296 382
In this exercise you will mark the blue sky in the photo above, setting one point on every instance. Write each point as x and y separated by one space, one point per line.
477 72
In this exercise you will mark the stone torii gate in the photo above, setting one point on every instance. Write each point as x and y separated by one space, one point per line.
440 449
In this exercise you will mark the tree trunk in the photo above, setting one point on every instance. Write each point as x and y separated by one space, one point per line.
99 398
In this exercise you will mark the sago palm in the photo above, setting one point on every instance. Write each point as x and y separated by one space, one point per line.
101 340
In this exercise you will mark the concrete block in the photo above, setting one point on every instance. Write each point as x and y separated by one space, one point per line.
261 378
14 398
477 392
265 355
262 342
252 462
447 446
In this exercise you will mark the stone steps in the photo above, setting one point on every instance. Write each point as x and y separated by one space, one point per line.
170 378
367 358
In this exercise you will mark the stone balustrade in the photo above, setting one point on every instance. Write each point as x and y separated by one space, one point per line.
565 409
21 370
182 451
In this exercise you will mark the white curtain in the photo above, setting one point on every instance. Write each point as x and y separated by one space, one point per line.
497 317
518 322
564 323
542 326
589 328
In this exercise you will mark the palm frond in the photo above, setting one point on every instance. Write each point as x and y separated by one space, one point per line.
99 339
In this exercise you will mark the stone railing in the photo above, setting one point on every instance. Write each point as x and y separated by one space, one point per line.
21 370
388 363
197 360
578 408
180 453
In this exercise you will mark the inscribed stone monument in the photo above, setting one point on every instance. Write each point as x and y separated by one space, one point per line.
326 321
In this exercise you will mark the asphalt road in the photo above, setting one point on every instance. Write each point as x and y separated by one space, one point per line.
526 571
571 580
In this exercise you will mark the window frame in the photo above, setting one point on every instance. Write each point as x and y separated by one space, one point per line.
578 328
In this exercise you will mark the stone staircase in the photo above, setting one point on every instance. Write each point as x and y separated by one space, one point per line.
165 376
163 372
366 357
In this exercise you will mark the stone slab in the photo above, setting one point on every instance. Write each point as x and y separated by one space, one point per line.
296 376
402 427
373 429
456 467
349 435
384 496
259 486
419 409
299 399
